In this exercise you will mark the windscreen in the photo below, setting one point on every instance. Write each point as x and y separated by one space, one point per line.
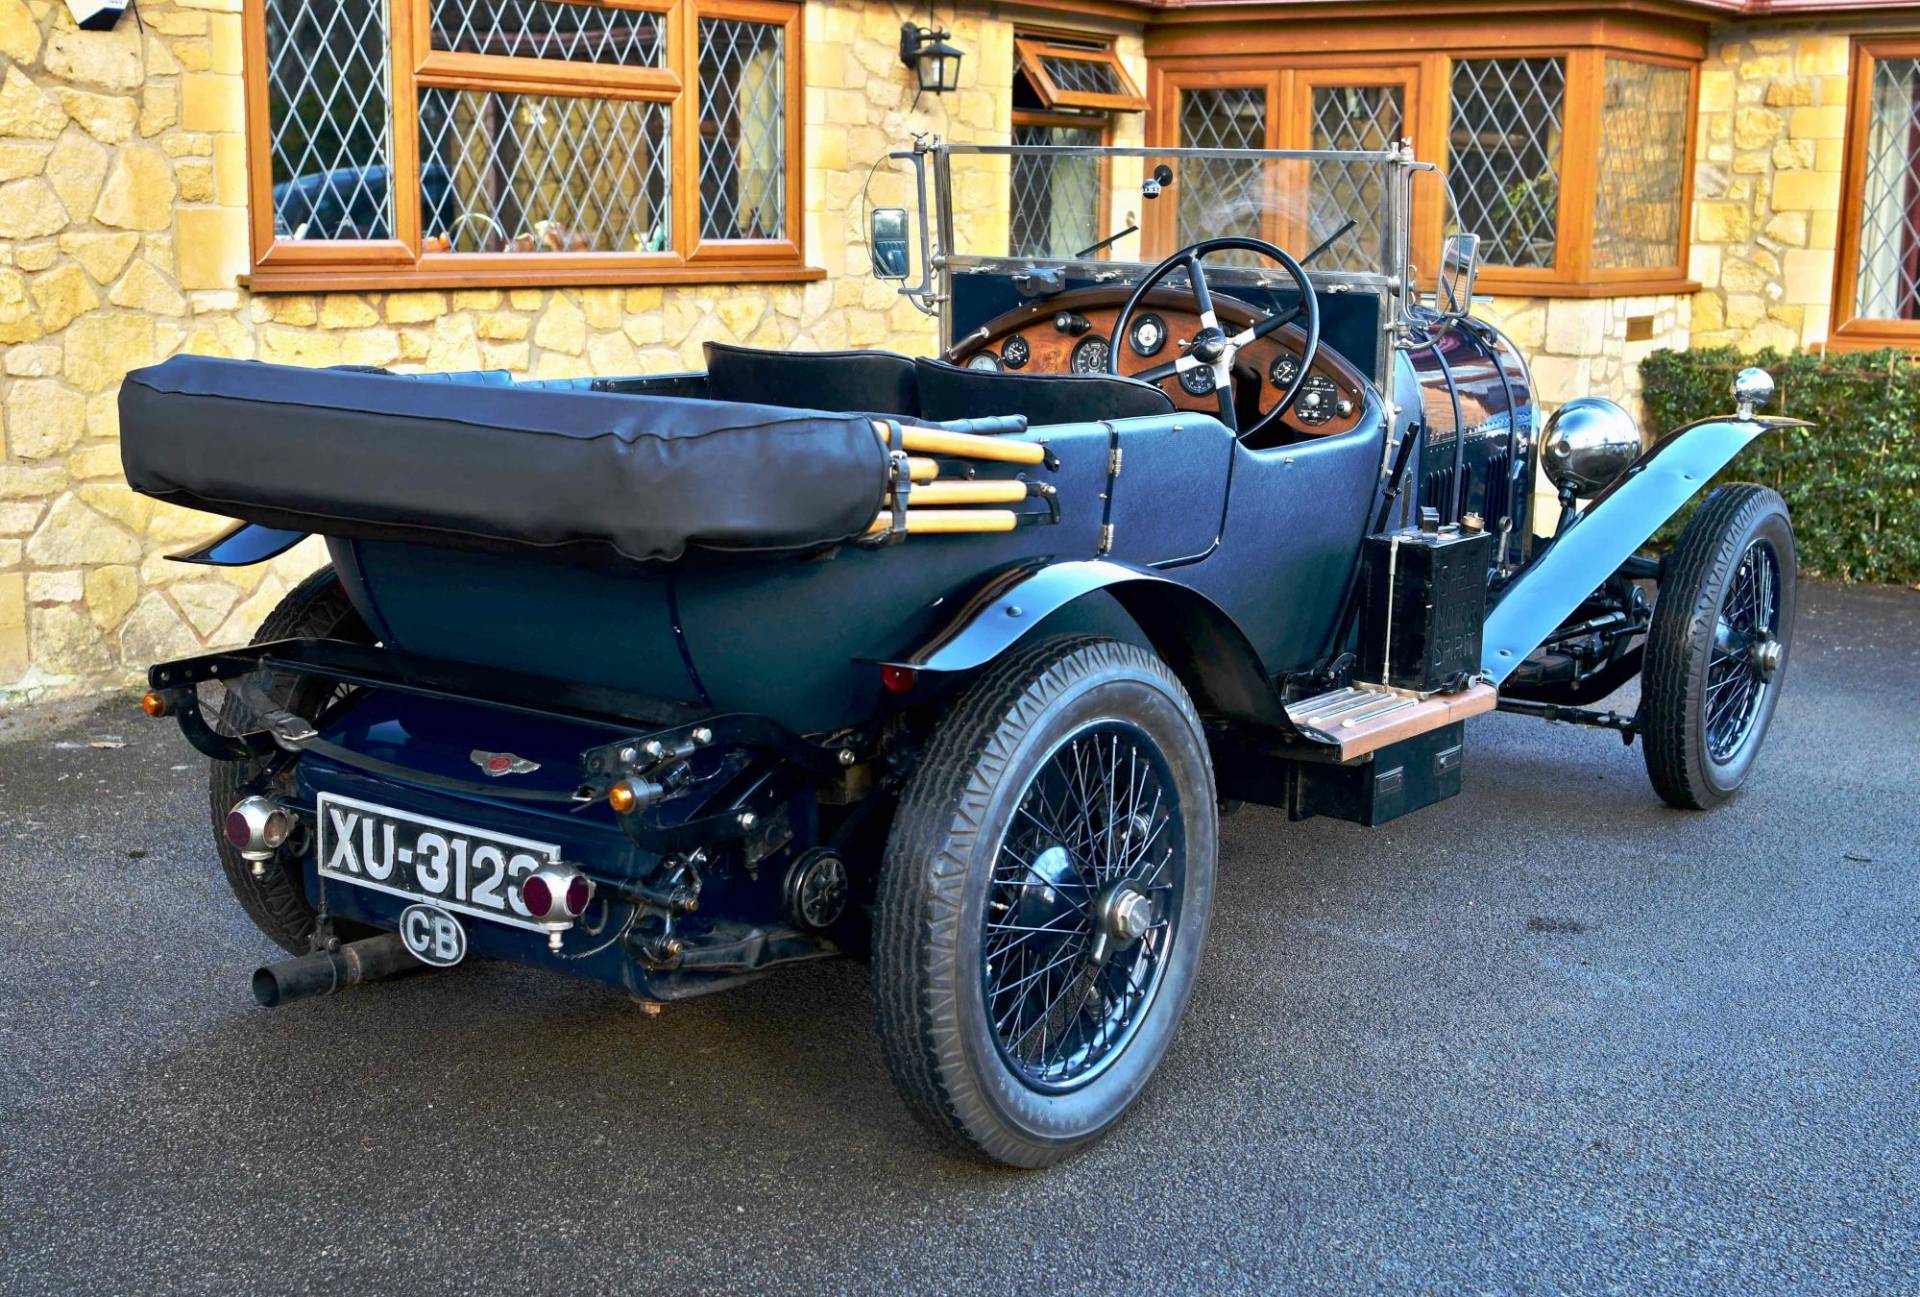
1077 204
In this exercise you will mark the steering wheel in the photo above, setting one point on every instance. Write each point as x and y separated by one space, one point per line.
1213 348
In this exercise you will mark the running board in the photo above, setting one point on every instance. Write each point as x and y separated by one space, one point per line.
1363 719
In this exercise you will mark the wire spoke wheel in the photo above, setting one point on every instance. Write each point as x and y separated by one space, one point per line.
1745 651
1717 646
1043 905
1082 906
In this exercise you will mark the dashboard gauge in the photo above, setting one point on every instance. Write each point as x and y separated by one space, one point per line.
1090 355
1284 369
984 360
1197 382
1317 398
1148 335
1015 352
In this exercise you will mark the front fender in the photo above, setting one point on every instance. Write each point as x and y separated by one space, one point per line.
1194 635
1607 532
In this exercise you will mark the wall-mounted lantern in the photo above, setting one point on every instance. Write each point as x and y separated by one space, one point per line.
934 62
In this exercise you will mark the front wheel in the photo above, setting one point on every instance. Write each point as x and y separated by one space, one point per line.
1716 651
1044 899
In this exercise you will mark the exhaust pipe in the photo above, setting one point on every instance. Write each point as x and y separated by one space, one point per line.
324 972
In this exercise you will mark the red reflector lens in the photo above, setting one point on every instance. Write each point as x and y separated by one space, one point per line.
579 892
538 897
898 679
239 832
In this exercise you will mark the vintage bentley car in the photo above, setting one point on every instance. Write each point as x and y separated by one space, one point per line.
951 664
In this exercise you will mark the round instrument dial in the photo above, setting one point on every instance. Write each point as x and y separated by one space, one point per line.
985 360
1197 381
1148 335
1090 355
1284 369
1015 352
1315 404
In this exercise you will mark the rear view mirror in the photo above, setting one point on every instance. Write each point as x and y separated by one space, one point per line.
1459 266
887 242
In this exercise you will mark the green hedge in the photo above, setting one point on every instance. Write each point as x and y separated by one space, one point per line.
1852 480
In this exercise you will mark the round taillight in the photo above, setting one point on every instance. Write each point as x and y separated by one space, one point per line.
537 896
239 830
579 892
898 680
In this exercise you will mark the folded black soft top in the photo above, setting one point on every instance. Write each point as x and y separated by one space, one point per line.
369 455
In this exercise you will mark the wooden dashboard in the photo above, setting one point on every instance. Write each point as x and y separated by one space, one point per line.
1070 332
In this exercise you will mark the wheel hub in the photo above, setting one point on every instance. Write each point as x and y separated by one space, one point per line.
1125 913
1766 653
1043 897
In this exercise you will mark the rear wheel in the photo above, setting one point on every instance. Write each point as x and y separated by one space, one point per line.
1045 898
277 902
1716 651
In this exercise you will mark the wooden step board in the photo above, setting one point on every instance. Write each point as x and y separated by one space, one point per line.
1366 718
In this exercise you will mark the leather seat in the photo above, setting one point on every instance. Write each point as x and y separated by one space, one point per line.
950 392
872 382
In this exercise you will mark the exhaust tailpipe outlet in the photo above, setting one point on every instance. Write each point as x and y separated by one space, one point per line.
326 971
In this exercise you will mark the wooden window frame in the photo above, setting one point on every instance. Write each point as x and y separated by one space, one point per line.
1160 223
1032 49
401 263
1300 51
1847 330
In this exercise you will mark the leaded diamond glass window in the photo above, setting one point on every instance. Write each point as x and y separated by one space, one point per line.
1503 156
1083 76
329 119
743 140
1221 196
544 173
1643 165
1056 200
1888 274
543 29
1359 118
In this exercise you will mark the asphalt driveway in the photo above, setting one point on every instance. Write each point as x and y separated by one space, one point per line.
1546 1037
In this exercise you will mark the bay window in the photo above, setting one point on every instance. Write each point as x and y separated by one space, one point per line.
434 143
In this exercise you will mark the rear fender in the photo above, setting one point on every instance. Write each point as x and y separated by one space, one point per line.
241 545
1194 635
1608 532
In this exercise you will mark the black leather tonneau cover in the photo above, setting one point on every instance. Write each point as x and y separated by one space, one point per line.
370 455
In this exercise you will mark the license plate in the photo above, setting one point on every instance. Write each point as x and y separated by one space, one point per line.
422 859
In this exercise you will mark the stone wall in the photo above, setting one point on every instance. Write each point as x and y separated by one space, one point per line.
1582 347
123 228
1773 110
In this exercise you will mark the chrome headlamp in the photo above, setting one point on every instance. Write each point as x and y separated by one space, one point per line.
1589 442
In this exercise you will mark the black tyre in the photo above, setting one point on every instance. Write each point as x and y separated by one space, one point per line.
1044 899
1716 652
277 903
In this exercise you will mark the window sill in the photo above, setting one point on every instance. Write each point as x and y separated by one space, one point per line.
342 279
1875 335
1493 285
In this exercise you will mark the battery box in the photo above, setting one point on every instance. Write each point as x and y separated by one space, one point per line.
1423 594
1399 778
